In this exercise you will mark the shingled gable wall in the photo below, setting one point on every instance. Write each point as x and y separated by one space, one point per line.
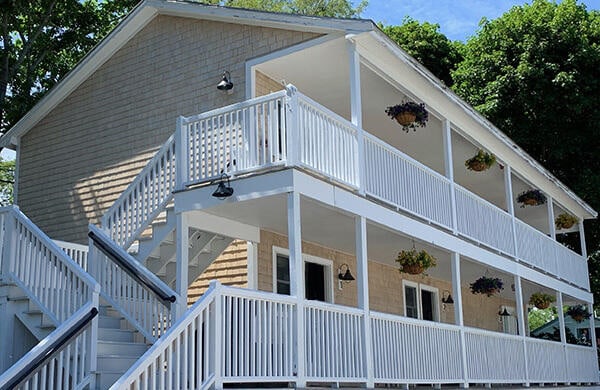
82 155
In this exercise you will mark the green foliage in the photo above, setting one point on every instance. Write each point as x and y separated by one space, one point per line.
486 285
427 45
537 318
7 179
420 114
330 8
481 161
565 221
40 41
534 73
414 258
541 300
531 198
578 312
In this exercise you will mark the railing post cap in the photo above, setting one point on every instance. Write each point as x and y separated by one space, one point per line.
291 89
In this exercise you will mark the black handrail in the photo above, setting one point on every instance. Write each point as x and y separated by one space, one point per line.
130 267
51 350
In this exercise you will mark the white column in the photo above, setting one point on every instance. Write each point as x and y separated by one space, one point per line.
297 281
356 108
362 270
510 206
458 313
582 239
561 317
551 227
590 306
449 169
520 312
183 259
181 154
252 250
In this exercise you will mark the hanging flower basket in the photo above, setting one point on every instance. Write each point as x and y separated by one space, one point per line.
409 115
565 221
481 161
531 198
541 300
487 286
578 313
415 262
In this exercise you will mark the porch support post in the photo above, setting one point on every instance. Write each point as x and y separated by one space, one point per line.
252 249
561 317
551 227
449 170
510 206
183 259
356 107
458 313
297 280
521 323
362 270
590 306
582 240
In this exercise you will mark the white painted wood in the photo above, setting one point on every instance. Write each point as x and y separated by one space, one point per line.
223 226
77 252
510 206
561 318
582 240
182 264
356 106
551 226
458 315
523 327
449 168
362 278
297 279
252 250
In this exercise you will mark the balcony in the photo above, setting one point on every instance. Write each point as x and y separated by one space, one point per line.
288 129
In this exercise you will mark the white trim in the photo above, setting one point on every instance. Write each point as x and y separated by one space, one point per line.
422 287
17 170
306 258
409 283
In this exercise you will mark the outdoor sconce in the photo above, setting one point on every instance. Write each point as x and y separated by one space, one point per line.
226 84
447 298
344 275
223 190
503 313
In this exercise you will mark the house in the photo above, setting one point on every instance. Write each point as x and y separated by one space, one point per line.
119 165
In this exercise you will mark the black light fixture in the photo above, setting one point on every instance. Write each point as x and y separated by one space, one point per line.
223 190
346 276
504 313
225 84
447 298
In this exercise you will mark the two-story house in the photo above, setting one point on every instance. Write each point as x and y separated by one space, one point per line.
200 142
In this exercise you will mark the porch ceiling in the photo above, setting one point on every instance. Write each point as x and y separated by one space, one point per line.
333 229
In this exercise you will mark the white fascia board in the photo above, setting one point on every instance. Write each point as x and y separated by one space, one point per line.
285 21
382 52
133 23
223 226
342 199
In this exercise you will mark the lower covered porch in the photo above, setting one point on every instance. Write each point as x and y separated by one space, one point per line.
299 322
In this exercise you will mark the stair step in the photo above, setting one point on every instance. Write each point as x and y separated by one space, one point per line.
109 322
18 298
110 334
106 379
124 349
114 363
38 331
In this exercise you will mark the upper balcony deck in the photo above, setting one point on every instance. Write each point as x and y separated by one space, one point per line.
288 129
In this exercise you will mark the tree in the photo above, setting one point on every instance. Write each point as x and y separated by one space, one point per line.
41 40
331 8
427 45
534 73
7 179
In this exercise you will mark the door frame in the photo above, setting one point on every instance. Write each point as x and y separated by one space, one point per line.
419 287
327 269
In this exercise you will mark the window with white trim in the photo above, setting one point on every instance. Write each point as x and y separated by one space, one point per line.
420 301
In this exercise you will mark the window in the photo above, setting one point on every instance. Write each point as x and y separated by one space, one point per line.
318 276
420 301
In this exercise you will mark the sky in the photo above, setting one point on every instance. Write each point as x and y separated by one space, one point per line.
458 19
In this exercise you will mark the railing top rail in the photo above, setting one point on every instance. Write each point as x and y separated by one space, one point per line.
333 307
73 245
262 295
57 251
149 166
48 348
413 321
233 107
579 346
492 333
170 336
132 266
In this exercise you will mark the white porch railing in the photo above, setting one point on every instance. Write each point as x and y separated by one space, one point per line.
238 335
77 252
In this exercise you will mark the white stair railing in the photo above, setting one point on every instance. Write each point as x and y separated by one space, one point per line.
49 277
139 295
144 199
64 357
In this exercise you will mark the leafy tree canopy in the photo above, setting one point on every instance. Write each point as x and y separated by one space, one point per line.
41 40
331 8
428 45
534 73
7 178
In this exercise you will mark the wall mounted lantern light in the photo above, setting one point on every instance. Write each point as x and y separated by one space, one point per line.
447 298
344 274
223 190
225 84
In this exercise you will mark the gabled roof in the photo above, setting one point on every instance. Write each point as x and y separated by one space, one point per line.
147 10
